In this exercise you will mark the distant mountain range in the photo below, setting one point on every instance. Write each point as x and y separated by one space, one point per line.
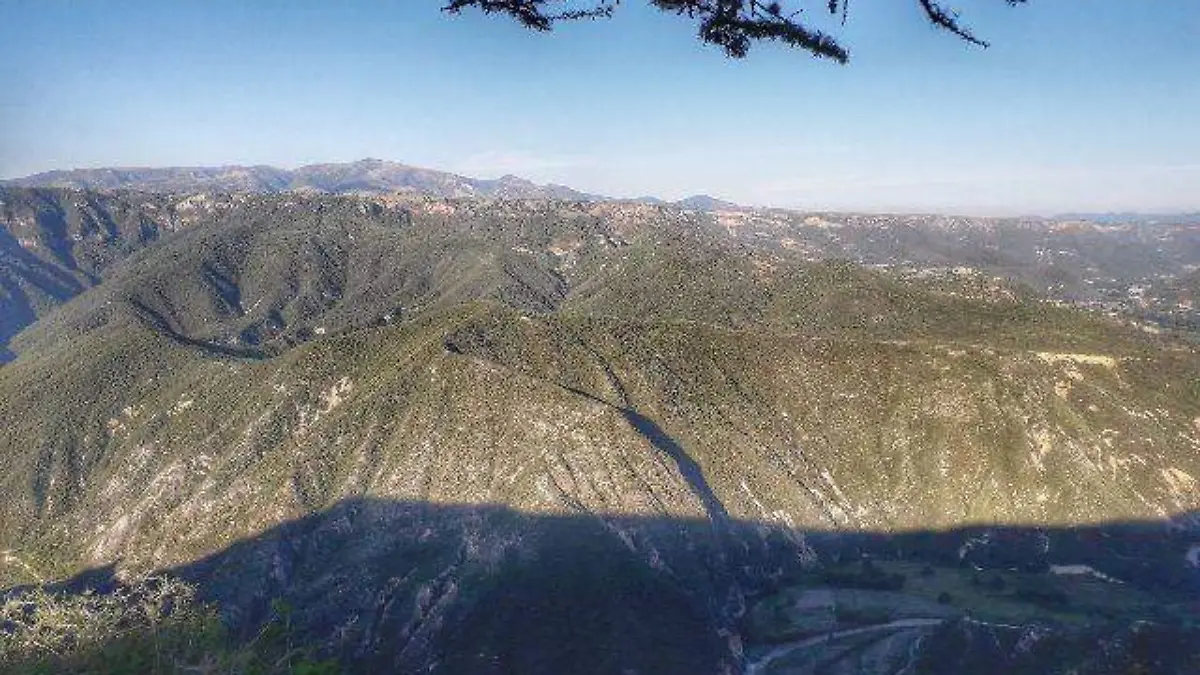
363 176
377 176
1133 217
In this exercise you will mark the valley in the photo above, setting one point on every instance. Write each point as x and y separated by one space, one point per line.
473 434
59 242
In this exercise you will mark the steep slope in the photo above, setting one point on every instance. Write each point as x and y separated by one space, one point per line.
399 368
55 243
1129 270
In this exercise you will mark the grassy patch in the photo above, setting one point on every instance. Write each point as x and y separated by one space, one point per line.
818 606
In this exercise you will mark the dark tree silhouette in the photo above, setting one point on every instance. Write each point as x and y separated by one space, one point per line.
733 25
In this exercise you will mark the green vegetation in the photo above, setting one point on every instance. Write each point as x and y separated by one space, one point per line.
867 575
995 596
155 627
376 407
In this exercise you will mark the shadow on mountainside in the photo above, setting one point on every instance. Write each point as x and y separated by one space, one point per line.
661 441
396 586
17 308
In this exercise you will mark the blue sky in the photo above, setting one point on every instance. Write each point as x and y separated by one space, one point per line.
1078 104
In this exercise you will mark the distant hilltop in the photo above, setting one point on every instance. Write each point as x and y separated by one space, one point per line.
366 175
1134 217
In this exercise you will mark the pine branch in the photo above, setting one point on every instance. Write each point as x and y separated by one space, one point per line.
732 25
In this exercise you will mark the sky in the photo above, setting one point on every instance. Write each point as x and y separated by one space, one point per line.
1078 105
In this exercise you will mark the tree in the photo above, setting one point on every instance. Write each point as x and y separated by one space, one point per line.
733 25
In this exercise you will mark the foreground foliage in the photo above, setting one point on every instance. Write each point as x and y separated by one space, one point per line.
156 626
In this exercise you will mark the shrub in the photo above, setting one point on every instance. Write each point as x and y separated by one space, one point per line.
153 627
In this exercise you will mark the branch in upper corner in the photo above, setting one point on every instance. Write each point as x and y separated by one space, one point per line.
732 25
948 20
532 13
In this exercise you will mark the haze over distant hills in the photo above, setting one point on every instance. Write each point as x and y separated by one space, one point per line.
363 176
1134 217
373 176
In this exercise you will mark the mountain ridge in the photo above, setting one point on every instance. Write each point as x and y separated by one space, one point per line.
433 387
368 175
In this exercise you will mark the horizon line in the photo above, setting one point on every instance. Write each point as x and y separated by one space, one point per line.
950 211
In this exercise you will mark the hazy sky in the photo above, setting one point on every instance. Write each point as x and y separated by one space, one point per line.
1078 105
